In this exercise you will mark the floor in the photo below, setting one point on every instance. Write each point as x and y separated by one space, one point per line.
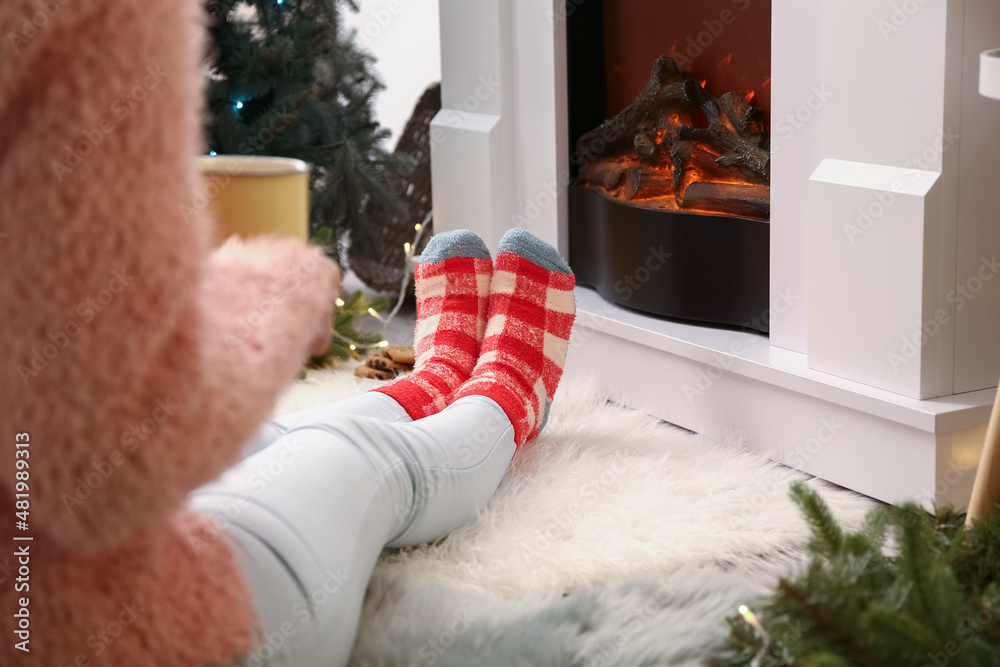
398 330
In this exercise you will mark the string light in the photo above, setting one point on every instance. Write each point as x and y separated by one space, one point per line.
420 228
354 346
751 618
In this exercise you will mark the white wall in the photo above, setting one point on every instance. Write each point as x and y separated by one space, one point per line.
405 38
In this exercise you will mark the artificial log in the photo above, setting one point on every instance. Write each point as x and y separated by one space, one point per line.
739 199
677 147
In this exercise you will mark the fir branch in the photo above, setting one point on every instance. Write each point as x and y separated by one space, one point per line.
827 624
935 602
826 533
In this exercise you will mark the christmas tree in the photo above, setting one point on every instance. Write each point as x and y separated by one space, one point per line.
909 589
285 79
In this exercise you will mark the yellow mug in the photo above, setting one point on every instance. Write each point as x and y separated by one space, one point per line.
250 195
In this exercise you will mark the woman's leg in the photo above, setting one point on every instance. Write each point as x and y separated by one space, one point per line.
371 404
310 514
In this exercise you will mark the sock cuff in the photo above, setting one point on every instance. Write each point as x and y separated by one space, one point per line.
454 243
522 243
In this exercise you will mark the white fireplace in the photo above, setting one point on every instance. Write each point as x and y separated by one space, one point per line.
884 348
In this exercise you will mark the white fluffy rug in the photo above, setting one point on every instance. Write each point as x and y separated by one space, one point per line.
614 539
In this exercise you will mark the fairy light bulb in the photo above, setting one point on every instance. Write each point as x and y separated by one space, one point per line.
750 617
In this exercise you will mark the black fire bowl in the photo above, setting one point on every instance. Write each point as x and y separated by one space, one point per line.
706 268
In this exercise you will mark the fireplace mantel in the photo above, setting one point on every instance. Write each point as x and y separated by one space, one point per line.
885 117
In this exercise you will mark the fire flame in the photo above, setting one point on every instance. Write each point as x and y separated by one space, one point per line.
677 165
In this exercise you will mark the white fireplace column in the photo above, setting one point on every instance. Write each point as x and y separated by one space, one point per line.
883 202
471 135
485 130
898 274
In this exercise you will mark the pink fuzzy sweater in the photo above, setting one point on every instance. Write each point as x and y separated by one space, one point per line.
136 360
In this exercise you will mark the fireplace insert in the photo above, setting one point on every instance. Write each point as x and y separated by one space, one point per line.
670 200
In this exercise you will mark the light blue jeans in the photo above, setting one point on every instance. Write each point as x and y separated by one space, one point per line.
322 491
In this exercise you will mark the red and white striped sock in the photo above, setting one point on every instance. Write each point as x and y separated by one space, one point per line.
452 283
531 312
